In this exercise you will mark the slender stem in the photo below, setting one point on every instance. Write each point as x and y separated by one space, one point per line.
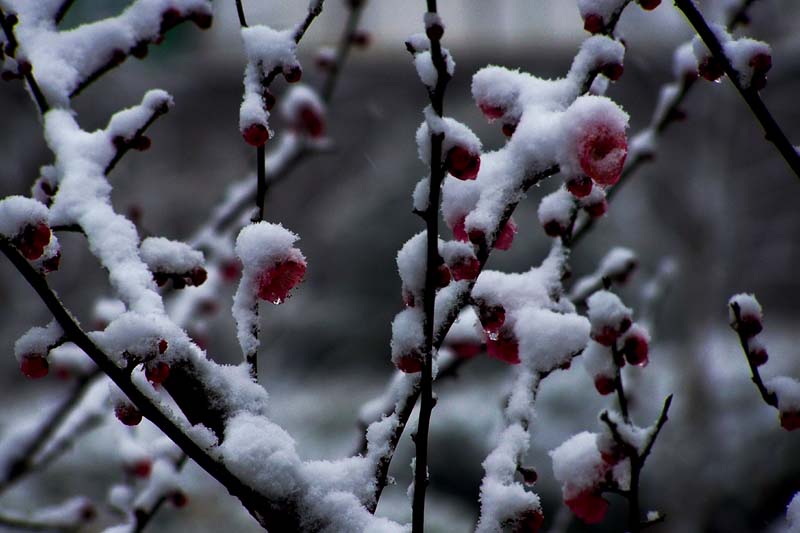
124 149
618 385
240 12
62 10
772 131
429 295
25 462
769 397
261 181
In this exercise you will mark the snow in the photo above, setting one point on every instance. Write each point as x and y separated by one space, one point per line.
168 256
577 464
261 454
412 264
558 206
502 498
748 307
684 63
598 361
740 52
607 310
547 339
595 53
17 212
793 515
70 360
298 98
407 334
39 340
455 134
788 391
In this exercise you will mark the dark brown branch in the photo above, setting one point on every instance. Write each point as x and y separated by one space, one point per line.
433 260
769 397
772 131
240 12
618 385
62 10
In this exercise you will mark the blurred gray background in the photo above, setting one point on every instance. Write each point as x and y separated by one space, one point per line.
718 201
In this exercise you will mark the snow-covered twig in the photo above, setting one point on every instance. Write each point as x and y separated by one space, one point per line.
772 131
747 325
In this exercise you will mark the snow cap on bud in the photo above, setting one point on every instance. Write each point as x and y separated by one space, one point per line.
787 390
460 258
609 317
751 59
408 340
579 467
272 267
595 203
496 92
304 111
756 351
24 222
598 53
596 142
618 264
745 314
461 148
555 212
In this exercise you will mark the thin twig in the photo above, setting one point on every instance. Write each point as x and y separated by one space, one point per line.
62 10
431 274
772 131
769 397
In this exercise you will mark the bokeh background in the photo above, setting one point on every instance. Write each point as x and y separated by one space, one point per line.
717 203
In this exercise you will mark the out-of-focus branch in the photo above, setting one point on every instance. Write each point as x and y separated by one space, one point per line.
772 131
25 462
